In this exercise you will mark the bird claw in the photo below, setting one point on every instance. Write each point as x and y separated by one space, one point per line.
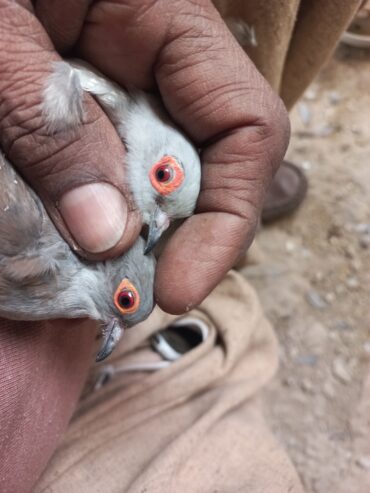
112 333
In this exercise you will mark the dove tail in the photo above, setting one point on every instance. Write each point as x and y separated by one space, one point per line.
62 98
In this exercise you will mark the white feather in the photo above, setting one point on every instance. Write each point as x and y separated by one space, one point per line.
62 99
111 97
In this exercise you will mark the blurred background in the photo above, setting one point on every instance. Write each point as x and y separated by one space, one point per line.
314 280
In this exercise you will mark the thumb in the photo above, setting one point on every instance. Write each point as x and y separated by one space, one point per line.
78 174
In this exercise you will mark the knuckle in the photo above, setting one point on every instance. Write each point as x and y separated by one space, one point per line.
18 129
50 163
272 131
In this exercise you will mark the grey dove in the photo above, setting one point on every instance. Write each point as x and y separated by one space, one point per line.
163 166
42 278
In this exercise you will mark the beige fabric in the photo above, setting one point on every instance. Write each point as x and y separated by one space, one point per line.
294 38
193 427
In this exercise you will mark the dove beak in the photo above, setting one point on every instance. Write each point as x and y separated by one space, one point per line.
159 222
112 333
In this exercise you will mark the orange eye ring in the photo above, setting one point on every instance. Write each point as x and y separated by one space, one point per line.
166 175
126 297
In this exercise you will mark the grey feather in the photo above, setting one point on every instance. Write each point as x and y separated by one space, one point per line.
15 199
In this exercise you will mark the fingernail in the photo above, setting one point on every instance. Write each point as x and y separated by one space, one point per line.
96 216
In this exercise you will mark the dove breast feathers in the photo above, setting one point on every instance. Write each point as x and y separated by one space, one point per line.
40 276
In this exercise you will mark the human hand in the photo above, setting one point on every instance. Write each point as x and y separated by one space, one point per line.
209 87
215 93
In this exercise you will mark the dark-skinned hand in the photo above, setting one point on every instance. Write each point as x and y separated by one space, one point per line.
209 87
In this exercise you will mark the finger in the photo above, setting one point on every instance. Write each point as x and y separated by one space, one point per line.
123 38
63 20
209 243
227 107
43 366
78 174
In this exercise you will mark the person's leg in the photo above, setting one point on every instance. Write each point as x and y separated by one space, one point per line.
289 44
292 39
42 369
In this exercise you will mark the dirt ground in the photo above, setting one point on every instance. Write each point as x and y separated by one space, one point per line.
314 282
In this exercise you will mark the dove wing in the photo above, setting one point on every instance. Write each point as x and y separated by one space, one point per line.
23 225
20 216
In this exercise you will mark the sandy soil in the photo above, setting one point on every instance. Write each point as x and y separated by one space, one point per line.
314 282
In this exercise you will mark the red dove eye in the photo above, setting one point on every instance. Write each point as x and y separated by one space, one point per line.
126 297
166 175
163 174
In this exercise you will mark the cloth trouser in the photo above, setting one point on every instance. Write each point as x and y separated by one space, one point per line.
197 425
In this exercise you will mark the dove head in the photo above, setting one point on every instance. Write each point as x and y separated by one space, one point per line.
117 292
128 283
163 167
128 298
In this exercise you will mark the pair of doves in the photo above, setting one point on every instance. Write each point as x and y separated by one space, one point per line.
40 276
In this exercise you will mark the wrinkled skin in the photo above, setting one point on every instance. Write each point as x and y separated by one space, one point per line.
210 88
